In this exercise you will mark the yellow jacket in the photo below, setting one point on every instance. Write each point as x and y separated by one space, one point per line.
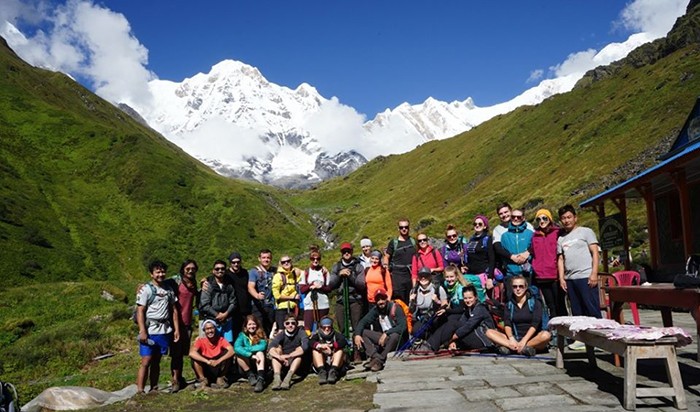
282 289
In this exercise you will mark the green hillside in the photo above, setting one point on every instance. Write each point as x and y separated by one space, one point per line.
565 149
87 194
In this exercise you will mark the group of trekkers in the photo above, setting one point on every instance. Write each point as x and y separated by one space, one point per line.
491 290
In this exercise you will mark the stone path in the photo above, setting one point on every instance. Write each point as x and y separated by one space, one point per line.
490 383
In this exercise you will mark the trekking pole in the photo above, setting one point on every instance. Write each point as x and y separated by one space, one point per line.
346 315
314 306
416 336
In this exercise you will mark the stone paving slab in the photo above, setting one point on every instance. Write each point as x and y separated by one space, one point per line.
489 383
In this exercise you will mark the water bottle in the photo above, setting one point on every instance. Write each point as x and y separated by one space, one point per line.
149 341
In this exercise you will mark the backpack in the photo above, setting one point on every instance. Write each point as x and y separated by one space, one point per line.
300 303
149 301
692 266
450 255
396 243
534 294
9 401
497 311
406 312
419 257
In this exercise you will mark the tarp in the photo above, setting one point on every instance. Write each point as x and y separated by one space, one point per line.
70 398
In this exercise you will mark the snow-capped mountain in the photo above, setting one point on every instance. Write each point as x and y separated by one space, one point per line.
242 125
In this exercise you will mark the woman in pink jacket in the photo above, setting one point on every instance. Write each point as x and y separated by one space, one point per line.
426 257
544 263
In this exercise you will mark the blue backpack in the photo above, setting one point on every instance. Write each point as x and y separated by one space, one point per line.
534 294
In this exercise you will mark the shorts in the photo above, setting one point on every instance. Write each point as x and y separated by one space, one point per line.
161 343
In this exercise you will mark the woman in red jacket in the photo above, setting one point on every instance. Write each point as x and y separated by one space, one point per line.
426 257
544 263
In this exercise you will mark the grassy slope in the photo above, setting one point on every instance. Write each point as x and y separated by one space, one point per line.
87 197
544 155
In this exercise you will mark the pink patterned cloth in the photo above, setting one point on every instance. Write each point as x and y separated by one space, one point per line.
615 331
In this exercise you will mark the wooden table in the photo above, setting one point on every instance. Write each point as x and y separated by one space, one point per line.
632 350
664 295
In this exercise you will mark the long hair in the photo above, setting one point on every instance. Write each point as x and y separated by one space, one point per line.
259 331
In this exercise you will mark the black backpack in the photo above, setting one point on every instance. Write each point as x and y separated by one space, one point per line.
689 279
9 402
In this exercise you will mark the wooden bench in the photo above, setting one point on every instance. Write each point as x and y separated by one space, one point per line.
632 350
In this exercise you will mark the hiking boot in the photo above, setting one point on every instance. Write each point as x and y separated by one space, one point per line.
175 387
322 376
286 383
529 351
502 350
377 366
252 379
577 345
259 384
356 357
367 364
276 383
203 383
333 375
221 382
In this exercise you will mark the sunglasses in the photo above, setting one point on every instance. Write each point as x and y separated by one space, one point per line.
237 262
516 217
285 262
542 219
290 323
403 227
422 240
219 269
315 259
519 286
452 236
346 251
478 224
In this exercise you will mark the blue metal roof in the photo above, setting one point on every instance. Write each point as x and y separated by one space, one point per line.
687 150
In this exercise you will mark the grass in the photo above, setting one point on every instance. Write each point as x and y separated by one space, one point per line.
88 196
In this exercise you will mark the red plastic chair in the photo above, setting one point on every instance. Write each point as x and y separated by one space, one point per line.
629 278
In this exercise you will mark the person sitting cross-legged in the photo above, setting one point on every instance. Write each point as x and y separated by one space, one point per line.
378 344
286 351
250 352
469 332
328 349
211 357
523 323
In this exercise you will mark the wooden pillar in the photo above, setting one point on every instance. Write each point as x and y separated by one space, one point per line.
652 225
622 206
679 180
600 211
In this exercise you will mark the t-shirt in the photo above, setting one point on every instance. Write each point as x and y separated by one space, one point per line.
424 298
523 319
578 262
211 350
315 276
185 298
290 343
263 282
158 320
402 256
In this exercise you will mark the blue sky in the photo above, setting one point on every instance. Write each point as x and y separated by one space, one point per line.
372 55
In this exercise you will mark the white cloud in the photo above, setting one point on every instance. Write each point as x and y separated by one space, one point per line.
84 40
218 139
535 75
655 17
336 127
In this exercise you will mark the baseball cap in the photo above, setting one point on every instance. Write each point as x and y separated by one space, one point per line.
380 292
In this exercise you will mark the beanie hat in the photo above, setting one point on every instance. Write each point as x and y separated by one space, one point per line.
376 253
365 242
234 255
483 219
544 212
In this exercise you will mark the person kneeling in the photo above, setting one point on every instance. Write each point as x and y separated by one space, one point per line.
250 351
378 344
523 323
328 345
211 356
286 351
